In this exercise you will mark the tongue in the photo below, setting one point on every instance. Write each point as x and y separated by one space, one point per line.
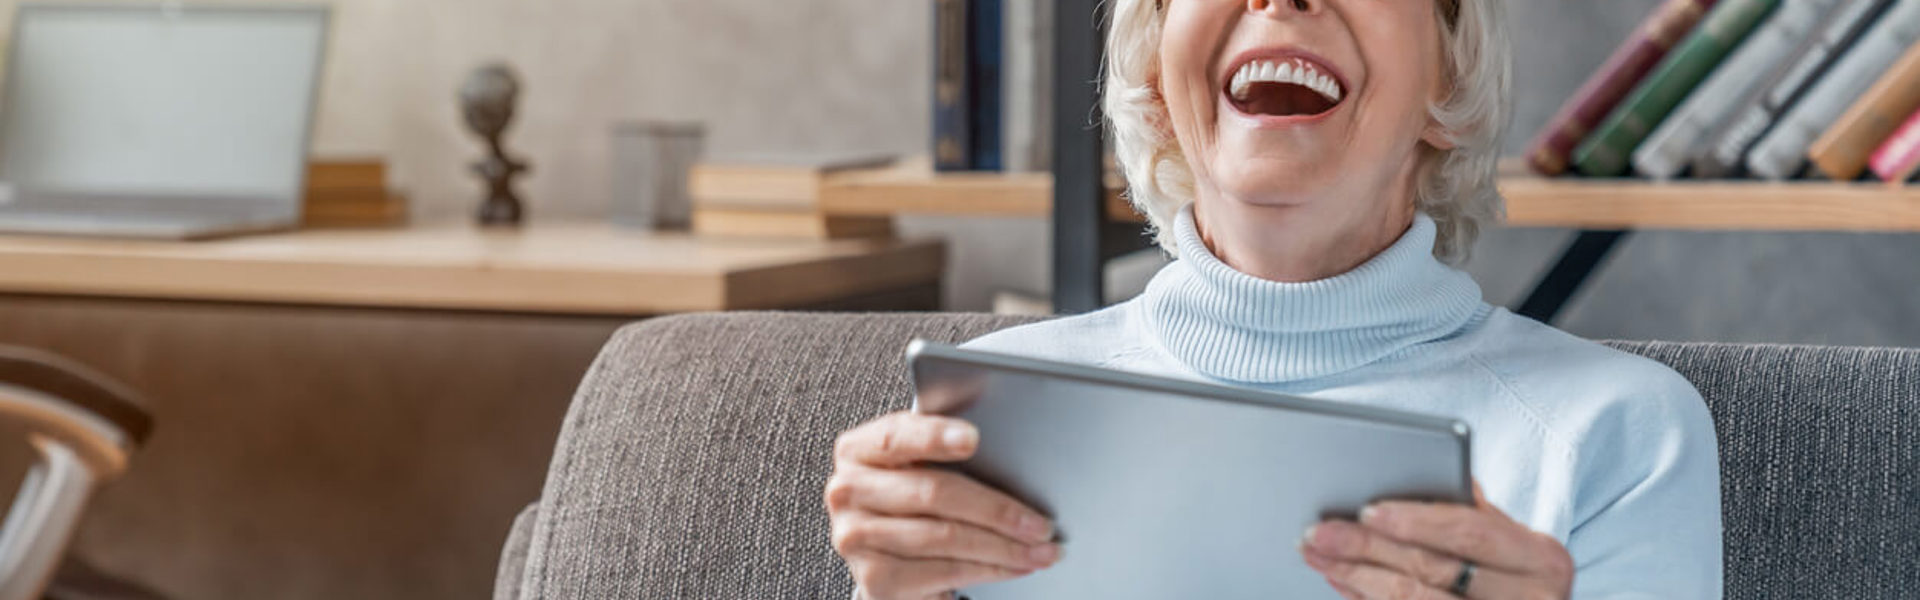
1283 100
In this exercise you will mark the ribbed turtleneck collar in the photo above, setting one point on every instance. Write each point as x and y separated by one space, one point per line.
1233 326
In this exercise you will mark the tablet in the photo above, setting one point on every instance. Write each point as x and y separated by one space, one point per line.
1162 488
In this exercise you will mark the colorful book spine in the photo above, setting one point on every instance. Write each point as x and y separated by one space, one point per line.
1843 151
1549 153
952 139
1727 147
1673 146
1606 152
985 42
1897 160
1783 151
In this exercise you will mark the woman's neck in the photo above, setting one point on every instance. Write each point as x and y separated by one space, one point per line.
1291 243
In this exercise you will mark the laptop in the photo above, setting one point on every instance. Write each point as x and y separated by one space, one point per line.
160 121
1163 488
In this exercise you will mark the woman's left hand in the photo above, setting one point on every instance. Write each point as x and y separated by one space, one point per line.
1417 551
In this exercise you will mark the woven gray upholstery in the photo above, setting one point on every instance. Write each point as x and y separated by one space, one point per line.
692 461
1819 465
513 555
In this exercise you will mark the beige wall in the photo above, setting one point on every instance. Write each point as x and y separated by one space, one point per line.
765 77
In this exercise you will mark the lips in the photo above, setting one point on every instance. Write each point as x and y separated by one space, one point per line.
1284 85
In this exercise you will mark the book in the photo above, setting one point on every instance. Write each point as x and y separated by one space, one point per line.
348 172
1727 146
760 222
1027 139
1782 152
952 132
1605 153
1899 158
791 182
1842 152
1553 147
1674 145
985 23
350 207
350 192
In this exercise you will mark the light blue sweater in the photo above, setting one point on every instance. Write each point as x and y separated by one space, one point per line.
1611 453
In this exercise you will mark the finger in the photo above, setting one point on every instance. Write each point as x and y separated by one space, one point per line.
884 576
1486 538
916 538
1373 582
902 438
1351 542
940 494
1345 592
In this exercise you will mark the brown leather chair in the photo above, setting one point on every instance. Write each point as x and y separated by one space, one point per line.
82 427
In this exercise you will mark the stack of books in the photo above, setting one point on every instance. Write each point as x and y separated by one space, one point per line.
1768 89
777 197
993 85
351 193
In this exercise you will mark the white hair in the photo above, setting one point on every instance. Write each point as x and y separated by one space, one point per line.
1456 187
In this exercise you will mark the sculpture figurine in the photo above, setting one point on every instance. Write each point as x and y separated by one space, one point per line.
487 99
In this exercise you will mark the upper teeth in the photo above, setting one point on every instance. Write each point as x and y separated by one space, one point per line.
1293 71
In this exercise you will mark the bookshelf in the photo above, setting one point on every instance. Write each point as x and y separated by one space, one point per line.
912 187
1603 210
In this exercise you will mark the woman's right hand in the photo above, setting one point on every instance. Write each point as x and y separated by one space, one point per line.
911 532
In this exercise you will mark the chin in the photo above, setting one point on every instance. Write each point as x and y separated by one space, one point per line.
1273 182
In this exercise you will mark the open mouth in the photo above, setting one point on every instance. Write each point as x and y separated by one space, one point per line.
1284 88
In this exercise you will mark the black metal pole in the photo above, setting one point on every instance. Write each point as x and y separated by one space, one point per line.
1576 264
1079 265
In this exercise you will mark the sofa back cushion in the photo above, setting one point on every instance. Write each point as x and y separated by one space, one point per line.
692 462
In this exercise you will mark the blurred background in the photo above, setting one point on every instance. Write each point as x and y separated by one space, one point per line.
316 443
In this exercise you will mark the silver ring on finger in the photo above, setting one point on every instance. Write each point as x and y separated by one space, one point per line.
1464 580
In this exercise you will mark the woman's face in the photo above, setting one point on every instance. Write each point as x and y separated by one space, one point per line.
1316 103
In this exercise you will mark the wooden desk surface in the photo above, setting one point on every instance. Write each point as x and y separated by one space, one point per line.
576 268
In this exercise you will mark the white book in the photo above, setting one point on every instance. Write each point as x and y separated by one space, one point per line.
1727 146
1028 91
1742 77
1783 151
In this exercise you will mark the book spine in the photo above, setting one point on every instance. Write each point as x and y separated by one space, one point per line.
1728 146
1897 160
1028 86
1783 151
1843 151
1671 147
1550 151
985 27
952 140
1606 152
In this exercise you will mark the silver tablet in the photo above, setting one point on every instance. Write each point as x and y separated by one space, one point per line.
1163 488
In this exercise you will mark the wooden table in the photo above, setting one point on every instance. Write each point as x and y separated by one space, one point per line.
587 269
1604 210
360 414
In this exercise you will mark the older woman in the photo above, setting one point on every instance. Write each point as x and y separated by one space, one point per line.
1316 166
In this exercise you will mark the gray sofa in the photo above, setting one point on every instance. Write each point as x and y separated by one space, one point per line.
692 461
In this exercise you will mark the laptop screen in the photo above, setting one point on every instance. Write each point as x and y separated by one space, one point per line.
145 100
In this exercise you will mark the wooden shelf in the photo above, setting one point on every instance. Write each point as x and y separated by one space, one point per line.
1723 205
914 188
572 268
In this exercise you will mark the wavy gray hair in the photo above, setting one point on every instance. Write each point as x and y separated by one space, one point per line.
1456 187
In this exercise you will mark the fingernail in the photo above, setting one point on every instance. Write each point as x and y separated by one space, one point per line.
1043 554
1034 528
1306 539
957 437
1369 514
